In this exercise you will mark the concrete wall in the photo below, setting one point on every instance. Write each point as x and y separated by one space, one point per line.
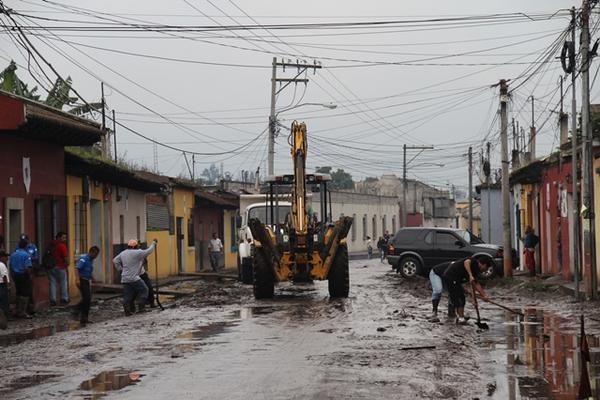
132 205
183 204
230 238
372 216
47 171
491 211
95 229
166 265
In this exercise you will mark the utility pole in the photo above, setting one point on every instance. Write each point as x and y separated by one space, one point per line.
115 135
471 189
404 188
489 190
532 131
104 138
507 245
193 168
574 170
404 180
302 68
587 189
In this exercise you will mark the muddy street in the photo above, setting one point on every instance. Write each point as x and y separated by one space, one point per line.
218 342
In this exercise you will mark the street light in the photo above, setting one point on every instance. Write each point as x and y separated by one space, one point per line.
330 106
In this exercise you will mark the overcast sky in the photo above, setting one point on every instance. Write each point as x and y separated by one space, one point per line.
218 109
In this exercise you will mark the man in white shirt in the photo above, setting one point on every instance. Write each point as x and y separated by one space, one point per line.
215 247
4 281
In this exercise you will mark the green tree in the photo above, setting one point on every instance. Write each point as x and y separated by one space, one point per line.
340 179
210 175
58 96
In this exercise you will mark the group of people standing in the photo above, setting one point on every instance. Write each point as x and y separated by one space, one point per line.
18 268
382 246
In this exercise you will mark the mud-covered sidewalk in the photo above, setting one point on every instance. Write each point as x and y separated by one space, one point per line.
216 341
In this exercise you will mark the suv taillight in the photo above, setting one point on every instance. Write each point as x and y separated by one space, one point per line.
391 249
500 253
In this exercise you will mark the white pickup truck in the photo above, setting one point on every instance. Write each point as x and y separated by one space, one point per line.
255 206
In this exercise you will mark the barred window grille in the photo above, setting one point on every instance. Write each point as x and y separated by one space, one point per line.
80 212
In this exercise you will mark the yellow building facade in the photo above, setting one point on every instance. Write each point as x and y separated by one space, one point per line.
88 216
176 252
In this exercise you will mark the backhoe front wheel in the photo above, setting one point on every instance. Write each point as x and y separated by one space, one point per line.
339 274
264 283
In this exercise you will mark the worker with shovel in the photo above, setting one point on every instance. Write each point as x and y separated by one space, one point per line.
453 275
129 262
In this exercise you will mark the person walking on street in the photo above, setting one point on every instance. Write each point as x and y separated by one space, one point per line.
20 266
369 248
531 240
58 274
129 262
85 269
146 278
33 251
215 247
381 245
4 289
453 275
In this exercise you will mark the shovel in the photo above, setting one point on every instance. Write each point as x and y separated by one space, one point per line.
480 325
156 277
504 307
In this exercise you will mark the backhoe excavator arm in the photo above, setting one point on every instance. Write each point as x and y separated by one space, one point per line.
299 211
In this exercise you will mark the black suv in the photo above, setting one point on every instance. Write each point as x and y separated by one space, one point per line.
414 251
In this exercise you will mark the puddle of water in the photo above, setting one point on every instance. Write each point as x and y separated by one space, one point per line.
28 381
251 312
109 381
538 358
37 333
203 332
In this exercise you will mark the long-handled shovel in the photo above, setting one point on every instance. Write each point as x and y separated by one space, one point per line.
503 307
480 325
157 297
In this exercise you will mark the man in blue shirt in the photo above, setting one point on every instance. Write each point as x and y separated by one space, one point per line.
31 248
85 268
20 265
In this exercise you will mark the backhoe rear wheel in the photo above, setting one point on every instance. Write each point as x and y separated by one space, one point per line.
264 283
339 274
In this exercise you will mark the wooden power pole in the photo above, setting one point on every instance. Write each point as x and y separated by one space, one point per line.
507 243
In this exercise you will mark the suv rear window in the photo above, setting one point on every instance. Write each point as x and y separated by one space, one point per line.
406 236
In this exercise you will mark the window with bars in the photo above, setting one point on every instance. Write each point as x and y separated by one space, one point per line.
364 227
374 221
80 230
393 225
384 223
190 233
353 228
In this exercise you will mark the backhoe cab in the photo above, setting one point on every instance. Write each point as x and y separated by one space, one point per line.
306 246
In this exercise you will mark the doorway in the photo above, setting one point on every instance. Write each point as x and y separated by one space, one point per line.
179 233
96 239
14 222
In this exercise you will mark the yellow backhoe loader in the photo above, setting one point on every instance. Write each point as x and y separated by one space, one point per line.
305 245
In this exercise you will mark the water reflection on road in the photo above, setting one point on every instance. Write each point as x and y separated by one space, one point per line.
536 357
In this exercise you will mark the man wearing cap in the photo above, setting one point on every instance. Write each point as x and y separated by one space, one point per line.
129 262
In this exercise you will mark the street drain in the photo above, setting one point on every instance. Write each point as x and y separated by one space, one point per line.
111 380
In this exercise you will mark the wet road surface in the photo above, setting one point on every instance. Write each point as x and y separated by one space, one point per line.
375 344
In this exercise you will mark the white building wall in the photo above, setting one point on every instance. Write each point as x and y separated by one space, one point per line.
369 212
131 206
